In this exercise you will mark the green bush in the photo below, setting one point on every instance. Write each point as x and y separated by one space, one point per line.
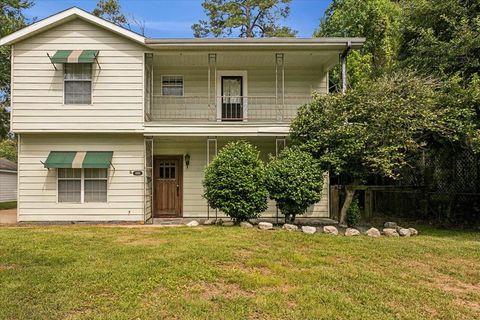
235 182
353 213
294 180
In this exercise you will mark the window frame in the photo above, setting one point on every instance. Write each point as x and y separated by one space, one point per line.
172 75
69 179
82 186
95 179
65 81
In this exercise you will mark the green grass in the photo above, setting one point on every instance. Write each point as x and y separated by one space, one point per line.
91 272
8 205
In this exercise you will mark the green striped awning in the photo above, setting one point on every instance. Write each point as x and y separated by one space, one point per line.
79 159
97 159
74 56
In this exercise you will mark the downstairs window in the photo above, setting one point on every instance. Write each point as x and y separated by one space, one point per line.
82 185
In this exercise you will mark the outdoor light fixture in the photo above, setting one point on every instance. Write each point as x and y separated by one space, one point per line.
187 160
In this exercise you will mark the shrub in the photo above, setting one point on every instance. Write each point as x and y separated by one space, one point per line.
353 213
235 182
294 180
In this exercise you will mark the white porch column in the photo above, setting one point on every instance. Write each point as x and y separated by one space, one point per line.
212 64
279 86
343 61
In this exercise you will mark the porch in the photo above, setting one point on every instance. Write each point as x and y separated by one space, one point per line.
232 87
174 174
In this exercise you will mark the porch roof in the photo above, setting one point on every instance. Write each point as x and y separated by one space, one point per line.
256 43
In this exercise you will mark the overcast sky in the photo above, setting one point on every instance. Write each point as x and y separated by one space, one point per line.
173 18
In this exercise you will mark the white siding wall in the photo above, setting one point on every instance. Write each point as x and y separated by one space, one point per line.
38 185
194 205
38 88
8 186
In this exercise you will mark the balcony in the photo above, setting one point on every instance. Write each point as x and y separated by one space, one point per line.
225 109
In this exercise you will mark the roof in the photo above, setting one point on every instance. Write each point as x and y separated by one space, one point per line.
7 165
64 16
187 43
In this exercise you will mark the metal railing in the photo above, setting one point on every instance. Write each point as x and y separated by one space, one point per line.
226 108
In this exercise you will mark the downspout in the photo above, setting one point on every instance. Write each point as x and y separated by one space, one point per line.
343 60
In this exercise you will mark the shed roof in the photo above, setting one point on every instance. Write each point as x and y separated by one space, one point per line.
7 165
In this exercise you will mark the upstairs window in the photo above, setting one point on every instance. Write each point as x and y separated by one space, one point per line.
172 85
78 83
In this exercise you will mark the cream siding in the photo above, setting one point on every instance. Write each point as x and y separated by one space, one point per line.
38 185
117 88
8 186
194 205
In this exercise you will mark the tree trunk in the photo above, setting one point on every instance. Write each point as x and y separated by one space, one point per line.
350 192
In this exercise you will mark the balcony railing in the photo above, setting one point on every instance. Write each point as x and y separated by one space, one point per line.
225 108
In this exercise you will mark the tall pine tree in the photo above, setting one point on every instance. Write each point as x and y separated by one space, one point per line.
244 18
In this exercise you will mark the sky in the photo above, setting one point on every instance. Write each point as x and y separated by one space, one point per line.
173 18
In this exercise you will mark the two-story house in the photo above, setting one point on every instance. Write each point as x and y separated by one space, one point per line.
114 126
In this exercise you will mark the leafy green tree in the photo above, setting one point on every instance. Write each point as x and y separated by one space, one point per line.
235 182
379 21
110 10
294 180
8 149
11 19
377 126
247 18
442 37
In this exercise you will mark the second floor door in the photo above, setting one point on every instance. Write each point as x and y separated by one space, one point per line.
232 98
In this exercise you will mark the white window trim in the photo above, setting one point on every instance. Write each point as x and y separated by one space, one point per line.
82 187
172 75
91 87
232 73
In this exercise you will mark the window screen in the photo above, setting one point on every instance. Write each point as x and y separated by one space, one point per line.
78 83
95 185
69 185
172 85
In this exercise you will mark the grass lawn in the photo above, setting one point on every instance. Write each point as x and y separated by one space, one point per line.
91 272
8 205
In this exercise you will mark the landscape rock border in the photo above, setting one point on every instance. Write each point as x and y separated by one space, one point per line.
394 229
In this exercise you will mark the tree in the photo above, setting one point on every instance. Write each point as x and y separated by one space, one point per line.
246 18
11 19
379 21
110 10
235 182
375 128
294 180
8 149
442 37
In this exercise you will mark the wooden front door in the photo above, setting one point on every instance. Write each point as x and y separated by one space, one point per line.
168 188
